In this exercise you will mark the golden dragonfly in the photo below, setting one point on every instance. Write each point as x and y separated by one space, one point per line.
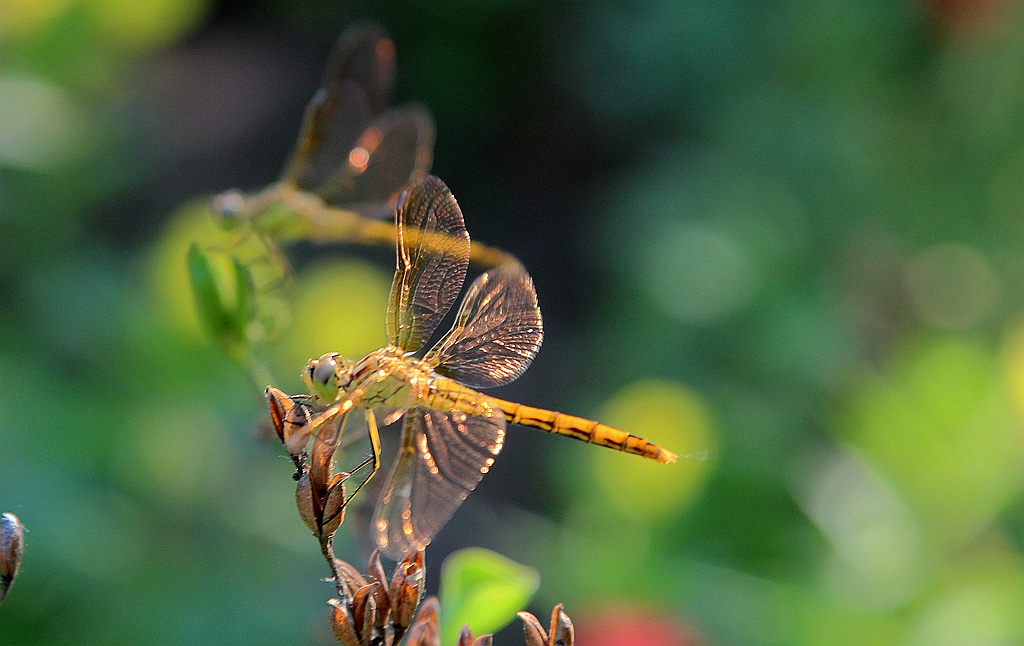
451 433
352 157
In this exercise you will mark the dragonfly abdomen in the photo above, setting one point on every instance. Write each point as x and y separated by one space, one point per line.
583 429
447 395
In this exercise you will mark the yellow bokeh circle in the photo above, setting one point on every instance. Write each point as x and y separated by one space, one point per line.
672 416
169 282
146 25
339 307
24 18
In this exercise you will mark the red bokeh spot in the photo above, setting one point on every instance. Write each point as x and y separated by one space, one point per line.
631 628
971 17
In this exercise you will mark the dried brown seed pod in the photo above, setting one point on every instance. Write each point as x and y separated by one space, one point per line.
342 624
466 638
407 584
562 631
321 508
364 611
351 577
376 574
288 417
12 544
424 631
321 464
333 514
533 631
375 570
305 502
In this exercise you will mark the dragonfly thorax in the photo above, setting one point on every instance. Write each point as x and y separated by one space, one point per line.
327 376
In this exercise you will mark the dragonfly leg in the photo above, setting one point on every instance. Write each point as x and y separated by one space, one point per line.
374 458
300 462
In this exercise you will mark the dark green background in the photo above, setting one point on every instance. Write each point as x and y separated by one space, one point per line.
790 234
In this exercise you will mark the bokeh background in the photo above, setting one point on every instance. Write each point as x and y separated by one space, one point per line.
787 236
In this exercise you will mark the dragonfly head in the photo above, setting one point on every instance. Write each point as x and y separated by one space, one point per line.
227 206
327 376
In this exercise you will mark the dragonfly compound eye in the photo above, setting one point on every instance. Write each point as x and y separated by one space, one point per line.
323 374
227 206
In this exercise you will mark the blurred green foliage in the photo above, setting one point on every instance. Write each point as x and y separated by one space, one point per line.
788 235
225 312
482 589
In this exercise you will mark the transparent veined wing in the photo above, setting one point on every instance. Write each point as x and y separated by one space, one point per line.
363 53
442 458
356 87
497 331
347 429
395 149
433 256
330 426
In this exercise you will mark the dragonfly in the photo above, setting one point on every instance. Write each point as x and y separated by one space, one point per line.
451 432
352 157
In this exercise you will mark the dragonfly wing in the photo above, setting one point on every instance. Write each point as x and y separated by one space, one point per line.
433 255
364 53
442 458
352 429
328 426
356 86
397 148
497 330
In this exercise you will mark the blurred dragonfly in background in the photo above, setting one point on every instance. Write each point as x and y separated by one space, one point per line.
353 156
451 433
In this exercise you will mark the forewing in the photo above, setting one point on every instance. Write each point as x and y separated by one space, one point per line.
364 53
395 149
497 330
353 429
356 86
329 425
433 255
442 458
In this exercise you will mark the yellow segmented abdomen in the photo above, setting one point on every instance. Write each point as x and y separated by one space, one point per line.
447 395
583 429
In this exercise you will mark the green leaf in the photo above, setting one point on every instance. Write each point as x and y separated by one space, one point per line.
225 316
482 589
206 292
245 306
